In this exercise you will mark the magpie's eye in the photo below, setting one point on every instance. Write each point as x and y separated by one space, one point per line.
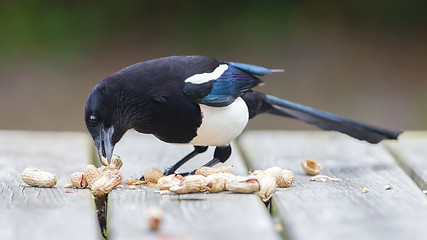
92 120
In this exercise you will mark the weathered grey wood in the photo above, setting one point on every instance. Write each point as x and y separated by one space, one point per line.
191 216
411 152
339 210
44 213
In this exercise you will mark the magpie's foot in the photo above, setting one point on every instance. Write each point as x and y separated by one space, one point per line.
187 173
168 171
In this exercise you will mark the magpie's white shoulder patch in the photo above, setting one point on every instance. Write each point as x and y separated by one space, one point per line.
206 77
220 125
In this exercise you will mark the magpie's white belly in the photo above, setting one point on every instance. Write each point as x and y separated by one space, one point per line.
220 125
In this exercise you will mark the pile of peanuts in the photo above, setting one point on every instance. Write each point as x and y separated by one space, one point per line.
100 180
219 179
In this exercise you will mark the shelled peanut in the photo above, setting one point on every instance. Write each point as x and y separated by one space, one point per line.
190 184
217 182
242 184
220 179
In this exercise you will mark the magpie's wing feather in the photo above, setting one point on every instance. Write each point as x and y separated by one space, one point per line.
252 69
223 90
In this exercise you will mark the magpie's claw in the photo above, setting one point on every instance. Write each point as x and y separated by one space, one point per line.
187 173
168 171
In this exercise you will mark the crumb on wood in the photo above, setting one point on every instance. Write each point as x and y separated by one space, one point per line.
324 177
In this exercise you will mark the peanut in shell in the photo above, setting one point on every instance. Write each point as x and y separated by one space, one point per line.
111 179
91 174
78 180
38 178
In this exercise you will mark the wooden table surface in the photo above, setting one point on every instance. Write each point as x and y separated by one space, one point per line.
306 210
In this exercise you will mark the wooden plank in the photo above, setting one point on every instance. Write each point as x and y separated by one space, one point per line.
190 216
44 213
411 152
339 210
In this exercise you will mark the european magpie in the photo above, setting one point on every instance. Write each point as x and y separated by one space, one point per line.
196 100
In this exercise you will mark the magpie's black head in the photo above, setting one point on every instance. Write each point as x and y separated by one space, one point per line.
104 120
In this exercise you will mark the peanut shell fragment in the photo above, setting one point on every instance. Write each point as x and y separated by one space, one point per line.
311 167
165 182
116 162
38 178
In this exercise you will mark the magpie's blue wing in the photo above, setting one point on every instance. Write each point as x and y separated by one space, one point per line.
222 86
252 69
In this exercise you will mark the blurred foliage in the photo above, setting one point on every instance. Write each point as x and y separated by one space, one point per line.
63 27
361 59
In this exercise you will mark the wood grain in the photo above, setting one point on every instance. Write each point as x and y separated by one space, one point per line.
411 152
44 213
339 210
190 216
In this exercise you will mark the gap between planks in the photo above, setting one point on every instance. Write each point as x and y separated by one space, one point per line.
336 210
410 151
44 213
189 216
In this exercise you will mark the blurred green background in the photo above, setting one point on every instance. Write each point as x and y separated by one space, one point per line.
365 60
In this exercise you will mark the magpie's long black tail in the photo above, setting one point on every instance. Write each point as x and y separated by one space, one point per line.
266 103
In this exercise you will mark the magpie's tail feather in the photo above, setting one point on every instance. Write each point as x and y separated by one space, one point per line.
329 121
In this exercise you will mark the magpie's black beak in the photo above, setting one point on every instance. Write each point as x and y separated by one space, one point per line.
104 145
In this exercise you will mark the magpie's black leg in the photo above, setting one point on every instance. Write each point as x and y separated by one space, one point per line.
221 154
196 151
173 168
